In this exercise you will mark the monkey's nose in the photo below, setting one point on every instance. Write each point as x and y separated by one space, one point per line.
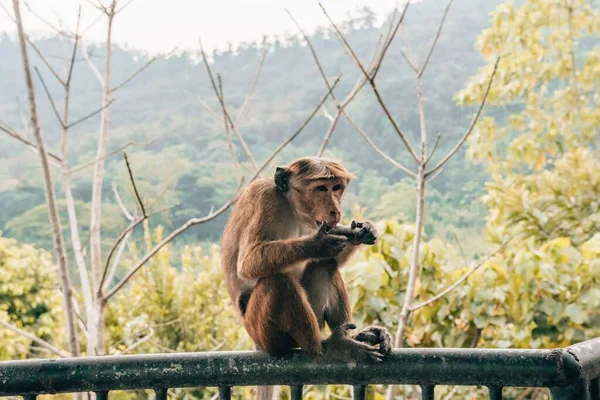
335 215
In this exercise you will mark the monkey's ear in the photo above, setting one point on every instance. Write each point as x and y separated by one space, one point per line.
282 178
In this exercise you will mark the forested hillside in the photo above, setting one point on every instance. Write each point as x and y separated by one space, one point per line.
180 152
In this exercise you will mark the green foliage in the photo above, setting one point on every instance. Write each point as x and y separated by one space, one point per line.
29 299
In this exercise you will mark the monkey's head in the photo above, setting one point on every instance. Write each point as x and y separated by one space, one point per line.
315 187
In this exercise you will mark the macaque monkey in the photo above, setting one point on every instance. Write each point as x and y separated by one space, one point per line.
282 250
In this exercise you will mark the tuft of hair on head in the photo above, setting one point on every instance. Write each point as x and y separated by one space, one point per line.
312 168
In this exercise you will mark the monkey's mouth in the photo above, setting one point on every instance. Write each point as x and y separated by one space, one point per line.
328 225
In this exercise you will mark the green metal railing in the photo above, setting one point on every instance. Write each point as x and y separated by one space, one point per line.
569 373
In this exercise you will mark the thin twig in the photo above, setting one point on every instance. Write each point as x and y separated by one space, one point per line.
234 160
135 190
58 117
231 123
8 130
90 115
460 280
435 146
35 339
409 61
435 40
139 342
378 150
44 21
254 83
74 52
390 37
136 73
112 153
121 203
375 89
91 64
473 123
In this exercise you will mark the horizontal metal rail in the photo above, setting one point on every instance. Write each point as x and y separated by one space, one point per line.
570 373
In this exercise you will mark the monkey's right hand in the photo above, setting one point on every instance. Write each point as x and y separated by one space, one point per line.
341 347
325 245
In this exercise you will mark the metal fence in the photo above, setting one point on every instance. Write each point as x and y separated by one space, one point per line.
569 373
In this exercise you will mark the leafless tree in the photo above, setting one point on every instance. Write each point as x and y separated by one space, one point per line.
97 277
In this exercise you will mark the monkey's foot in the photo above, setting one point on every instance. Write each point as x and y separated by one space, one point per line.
376 336
341 347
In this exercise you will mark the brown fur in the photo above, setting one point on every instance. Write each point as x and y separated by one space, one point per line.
281 254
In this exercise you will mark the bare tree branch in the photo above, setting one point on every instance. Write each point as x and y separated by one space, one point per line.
341 107
121 203
409 61
124 6
74 52
390 37
141 341
473 123
90 115
45 61
112 153
135 190
56 160
43 20
378 150
91 64
374 87
53 215
58 117
435 146
231 123
136 73
437 36
234 160
460 280
191 222
33 338
254 83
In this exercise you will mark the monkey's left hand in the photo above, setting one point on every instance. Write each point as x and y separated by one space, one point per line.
376 335
364 232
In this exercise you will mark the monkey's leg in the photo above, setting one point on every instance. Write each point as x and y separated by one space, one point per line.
327 293
279 317
338 312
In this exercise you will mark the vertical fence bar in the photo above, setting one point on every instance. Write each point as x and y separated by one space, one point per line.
428 392
296 392
161 393
101 395
224 393
595 389
359 392
578 391
495 392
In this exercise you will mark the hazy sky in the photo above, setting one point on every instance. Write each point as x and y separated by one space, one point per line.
160 25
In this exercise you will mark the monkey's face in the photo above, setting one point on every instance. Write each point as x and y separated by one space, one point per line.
320 201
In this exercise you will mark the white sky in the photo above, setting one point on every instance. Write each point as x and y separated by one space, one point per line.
160 25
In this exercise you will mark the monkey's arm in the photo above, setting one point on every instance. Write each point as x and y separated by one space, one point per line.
269 257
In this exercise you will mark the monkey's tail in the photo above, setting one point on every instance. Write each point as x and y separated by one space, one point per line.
267 392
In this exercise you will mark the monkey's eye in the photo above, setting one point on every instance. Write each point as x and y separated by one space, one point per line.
336 188
322 188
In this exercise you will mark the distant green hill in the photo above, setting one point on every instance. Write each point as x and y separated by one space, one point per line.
189 152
